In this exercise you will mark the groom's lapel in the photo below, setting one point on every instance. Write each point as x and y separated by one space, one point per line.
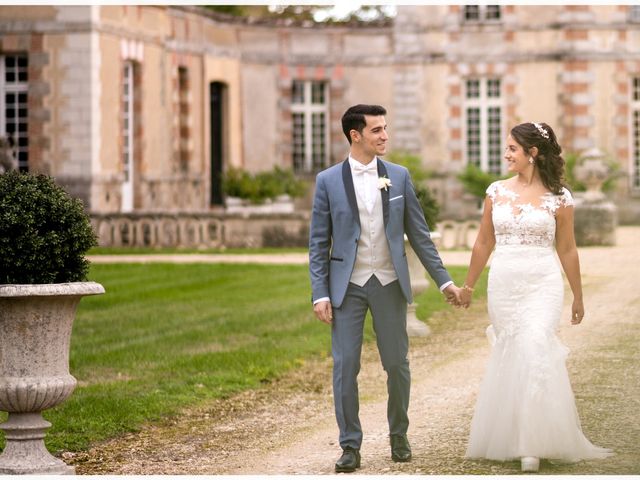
382 172
347 179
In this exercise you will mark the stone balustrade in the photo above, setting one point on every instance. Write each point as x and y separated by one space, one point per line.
457 235
158 230
219 229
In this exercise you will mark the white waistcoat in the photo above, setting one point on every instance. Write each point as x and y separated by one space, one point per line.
373 256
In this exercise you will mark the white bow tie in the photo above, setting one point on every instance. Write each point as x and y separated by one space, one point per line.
371 167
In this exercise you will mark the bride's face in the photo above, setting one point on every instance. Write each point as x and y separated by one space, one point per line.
517 159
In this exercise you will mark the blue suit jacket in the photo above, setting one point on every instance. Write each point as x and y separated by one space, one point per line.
335 230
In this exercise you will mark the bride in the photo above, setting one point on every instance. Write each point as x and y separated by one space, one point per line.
526 409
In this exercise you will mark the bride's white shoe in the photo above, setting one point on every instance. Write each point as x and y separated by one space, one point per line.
530 464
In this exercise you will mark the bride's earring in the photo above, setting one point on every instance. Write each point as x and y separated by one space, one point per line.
531 160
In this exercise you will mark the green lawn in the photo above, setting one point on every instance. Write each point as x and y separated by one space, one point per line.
167 336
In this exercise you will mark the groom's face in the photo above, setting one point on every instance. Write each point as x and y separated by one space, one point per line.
374 138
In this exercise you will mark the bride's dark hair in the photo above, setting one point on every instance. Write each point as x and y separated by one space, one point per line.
549 161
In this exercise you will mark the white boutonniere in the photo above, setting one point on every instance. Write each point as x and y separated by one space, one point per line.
384 182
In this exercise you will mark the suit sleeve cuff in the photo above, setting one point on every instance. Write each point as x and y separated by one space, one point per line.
322 299
444 285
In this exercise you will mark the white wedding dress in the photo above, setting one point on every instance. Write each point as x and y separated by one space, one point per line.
526 406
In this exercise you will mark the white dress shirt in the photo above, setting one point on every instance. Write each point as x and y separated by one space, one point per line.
365 181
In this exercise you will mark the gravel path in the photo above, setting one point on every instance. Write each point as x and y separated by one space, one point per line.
288 427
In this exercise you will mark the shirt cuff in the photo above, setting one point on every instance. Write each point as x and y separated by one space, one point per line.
444 285
322 299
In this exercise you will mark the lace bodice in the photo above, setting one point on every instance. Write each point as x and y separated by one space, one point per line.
524 223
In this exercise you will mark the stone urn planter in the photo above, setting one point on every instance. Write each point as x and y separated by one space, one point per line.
596 217
35 333
44 236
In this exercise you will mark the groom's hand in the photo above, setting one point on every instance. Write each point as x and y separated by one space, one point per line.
323 312
453 295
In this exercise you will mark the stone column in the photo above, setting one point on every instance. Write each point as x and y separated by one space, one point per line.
577 78
408 81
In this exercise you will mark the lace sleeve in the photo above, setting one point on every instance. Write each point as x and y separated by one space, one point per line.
553 202
492 191
566 199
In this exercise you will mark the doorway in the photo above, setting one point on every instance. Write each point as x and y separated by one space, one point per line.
218 108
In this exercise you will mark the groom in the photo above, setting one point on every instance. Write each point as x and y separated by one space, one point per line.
362 209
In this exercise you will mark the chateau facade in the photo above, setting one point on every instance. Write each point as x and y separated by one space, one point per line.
142 108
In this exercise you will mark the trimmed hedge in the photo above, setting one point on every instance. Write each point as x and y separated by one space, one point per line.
44 233
262 186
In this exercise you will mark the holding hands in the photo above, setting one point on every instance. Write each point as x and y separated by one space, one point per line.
466 292
458 297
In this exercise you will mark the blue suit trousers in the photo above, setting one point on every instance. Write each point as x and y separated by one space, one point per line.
388 308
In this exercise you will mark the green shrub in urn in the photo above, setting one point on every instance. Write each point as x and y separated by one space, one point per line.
44 233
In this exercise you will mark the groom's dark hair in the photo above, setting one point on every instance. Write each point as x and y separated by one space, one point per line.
353 118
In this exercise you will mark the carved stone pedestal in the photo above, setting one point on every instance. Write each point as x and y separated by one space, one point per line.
25 452
35 334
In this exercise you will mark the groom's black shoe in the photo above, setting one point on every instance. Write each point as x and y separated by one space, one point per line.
349 461
400 449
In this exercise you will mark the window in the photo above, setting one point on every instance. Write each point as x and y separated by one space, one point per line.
472 13
309 115
127 120
14 111
481 13
483 112
128 111
634 13
492 12
635 130
183 118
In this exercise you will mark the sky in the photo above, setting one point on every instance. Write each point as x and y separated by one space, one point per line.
345 8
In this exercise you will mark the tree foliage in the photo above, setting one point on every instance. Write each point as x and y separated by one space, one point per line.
419 175
476 181
261 186
304 13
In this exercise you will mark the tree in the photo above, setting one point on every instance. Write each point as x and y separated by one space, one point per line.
307 13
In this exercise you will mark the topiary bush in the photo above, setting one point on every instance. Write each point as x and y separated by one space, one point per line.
44 233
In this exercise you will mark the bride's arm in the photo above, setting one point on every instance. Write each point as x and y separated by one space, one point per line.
483 246
568 255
